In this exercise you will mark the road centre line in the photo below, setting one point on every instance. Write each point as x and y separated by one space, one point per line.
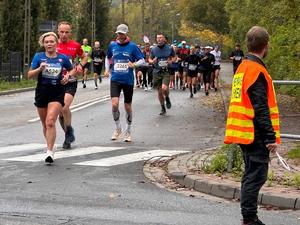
80 106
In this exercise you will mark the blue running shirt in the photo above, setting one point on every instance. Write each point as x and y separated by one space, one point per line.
121 55
52 74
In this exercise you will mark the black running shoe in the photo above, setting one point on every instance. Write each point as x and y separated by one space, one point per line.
168 102
69 135
191 95
163 111
66 145
206 93
253 222
216 89
84 86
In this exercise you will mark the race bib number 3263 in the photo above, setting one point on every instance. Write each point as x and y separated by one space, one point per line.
236 95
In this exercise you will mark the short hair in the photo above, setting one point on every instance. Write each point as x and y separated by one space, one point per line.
64 23
257 39
42 37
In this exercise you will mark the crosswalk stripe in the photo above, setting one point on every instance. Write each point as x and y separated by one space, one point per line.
65 154
129 158
21 147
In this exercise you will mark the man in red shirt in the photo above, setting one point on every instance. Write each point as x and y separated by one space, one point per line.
72 49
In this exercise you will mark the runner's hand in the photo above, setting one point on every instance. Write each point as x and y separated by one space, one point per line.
42 66
272 147
131 65
106 74
65 79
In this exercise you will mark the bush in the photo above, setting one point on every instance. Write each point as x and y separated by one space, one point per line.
227 159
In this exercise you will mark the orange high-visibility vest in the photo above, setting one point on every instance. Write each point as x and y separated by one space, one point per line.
240 127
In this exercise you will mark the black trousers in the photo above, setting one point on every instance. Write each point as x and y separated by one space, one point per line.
255 175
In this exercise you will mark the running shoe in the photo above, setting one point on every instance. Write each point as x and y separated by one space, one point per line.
117 133
49 157
191 95
253 222
127 136
84 86
163 111
168 102
96 88
206 93
69 135
195 90
66 145
216 89
146 89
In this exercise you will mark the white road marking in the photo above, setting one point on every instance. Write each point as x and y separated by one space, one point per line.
21 147
65 154
129 158
80 106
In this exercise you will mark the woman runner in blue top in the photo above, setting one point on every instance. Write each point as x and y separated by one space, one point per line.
49 94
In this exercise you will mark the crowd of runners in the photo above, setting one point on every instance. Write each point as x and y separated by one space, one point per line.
159 65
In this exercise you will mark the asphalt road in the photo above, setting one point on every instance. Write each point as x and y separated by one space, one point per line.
100 181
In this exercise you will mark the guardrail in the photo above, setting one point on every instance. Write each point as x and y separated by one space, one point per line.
288 82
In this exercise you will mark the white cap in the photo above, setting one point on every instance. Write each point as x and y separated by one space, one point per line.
208 47
122 28
183 42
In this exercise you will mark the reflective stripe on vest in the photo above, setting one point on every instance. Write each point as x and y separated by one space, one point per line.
239 126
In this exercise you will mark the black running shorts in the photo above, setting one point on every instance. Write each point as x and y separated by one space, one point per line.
71 88
98 69
46 94
87 66
116 88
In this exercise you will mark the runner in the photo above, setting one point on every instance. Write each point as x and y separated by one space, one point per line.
192 65
98 57
124 56
182 53
207 65
87 51
49 93
237 56
173 70
216 67
71 49
199 52
161 57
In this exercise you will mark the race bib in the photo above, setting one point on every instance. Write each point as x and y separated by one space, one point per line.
97 59
52 70
192 67
163 63
121 67
236 95
237 58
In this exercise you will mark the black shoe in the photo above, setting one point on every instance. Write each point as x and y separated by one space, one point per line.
216 89
206 93
191 95
253 222
82 81
66 145
195 90
168 102
69 135
84 86
163 111
183 88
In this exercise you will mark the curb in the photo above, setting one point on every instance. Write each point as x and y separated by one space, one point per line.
198 183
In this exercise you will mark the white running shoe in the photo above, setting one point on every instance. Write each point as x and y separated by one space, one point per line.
145 89
96 88
49 157
127 136
117 133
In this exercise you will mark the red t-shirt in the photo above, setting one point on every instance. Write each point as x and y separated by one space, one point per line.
72 49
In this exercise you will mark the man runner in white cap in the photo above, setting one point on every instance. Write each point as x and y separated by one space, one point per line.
124 56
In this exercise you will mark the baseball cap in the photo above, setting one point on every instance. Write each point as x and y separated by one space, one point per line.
122 28
183 42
